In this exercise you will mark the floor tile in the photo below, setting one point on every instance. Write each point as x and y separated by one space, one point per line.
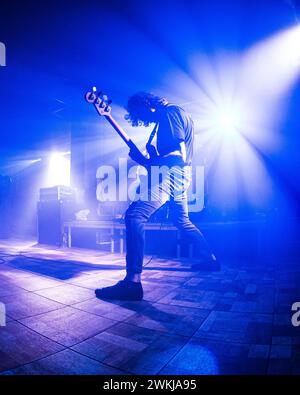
204 357
20 345
136 350
6 288
197 299
115 310
64 363
259 351
67 294
280 352
174 319
237 327
8 272
154 292
34 282
27 304
68 326
92 281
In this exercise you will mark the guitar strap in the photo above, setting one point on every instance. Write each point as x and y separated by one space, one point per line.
152 134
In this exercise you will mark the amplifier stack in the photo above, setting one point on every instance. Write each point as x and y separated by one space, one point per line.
56 205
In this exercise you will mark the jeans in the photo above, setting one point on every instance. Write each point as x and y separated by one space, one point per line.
173 188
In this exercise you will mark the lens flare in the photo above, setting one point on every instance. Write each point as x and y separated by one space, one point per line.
59 169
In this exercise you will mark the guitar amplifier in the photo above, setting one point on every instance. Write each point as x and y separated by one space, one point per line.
59 192
50 217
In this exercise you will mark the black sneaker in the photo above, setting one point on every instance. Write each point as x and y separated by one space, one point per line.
123 290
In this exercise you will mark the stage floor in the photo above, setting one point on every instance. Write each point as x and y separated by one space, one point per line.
237 321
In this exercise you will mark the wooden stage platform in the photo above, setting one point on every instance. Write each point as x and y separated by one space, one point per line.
236 321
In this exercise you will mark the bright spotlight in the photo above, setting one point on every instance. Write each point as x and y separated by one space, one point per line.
59 169
226 122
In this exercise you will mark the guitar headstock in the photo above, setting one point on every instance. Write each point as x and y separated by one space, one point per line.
100 101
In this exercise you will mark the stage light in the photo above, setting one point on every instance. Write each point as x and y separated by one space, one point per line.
239 103
58 169
17 165
227 122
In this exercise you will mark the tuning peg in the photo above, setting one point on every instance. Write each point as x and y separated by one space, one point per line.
108 104
92 94
98 99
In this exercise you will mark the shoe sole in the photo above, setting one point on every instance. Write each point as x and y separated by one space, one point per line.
99 296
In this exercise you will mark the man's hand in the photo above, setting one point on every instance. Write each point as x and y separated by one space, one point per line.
138 157
152 151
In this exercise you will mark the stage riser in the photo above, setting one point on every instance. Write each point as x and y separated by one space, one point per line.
237 243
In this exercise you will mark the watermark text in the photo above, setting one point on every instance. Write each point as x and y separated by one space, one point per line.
2 314
2 54
296 314
155 184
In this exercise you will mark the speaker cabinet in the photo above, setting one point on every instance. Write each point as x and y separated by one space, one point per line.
50 218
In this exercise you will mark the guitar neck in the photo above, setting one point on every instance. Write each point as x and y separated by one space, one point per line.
121 132
102 107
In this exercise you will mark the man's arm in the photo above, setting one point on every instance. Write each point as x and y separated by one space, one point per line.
183 151
144 161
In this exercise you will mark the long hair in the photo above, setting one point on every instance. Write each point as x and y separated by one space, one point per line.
141 102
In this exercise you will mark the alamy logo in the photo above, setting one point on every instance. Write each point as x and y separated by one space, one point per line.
2 314
296 315
122 184
2 54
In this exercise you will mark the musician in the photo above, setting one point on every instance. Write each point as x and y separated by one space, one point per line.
174 133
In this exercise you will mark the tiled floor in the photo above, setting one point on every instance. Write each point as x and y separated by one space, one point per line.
237 321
